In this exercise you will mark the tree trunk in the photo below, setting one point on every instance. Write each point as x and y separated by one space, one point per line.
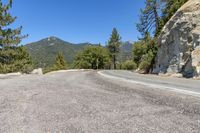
114 61
156 17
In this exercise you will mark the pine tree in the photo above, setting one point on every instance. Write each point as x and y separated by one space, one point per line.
60 62
114 46
171 6
15 59
8 36
150 19
12 57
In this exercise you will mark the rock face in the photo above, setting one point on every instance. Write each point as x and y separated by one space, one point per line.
37 71
196 61
179 42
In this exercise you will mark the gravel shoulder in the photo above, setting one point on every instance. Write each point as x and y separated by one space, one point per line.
85 101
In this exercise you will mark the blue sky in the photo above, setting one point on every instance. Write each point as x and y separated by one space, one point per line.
77 20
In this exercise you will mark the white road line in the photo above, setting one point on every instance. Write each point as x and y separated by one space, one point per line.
173 89
63 71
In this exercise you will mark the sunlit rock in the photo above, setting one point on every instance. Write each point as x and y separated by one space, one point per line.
180 38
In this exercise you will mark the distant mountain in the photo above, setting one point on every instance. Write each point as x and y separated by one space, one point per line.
44 51
125 51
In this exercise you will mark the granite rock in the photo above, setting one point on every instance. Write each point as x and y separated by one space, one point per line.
179 42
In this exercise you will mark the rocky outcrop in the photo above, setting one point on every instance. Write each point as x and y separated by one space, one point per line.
196 61
179 42
37 71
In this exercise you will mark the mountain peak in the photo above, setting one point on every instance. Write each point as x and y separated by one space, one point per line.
52 38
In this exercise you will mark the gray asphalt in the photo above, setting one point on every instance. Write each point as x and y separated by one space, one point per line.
86 102
168 82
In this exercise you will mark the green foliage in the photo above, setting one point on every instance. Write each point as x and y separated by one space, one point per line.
92 57
171 6
156 14
114 46
144 53
146 62
9 37
44 51
49 69
149 18
12 58
129 65
145 50
15 59
60 63
152 18
139 49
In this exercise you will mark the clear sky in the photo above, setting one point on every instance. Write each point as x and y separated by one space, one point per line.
77 20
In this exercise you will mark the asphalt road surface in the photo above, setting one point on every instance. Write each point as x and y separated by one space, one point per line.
92 102
182 85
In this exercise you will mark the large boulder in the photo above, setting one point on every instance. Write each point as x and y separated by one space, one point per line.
37 71
196 61
179 42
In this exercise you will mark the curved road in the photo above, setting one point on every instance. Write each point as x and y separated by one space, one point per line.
182 85
85 101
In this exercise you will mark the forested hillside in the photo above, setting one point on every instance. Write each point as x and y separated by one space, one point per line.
44 51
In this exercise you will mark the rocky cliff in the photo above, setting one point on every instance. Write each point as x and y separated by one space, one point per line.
179 42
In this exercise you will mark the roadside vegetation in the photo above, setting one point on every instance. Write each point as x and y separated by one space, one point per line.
93 57
59 64
156 13
128 65
152 19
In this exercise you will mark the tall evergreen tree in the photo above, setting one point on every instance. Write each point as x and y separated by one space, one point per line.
171 6
114 46
60 62
12 57
149 18
8 36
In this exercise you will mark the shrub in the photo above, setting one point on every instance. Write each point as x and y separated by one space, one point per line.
60 63
146 62
15 59
139 49
129 65
92 57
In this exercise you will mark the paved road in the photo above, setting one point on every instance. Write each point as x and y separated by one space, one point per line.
84 101
187 86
